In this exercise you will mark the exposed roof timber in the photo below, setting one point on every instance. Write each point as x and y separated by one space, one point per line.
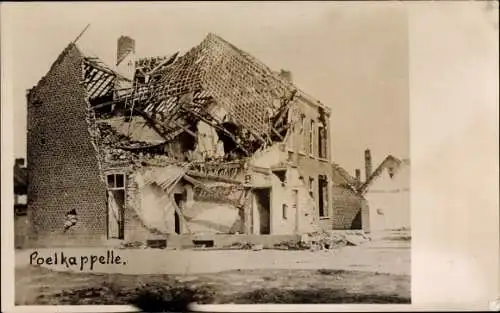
104 104
97 83
214 177
153 123
185 128
104 87
92 74
284 109
277 133
168 61
95 62
89 72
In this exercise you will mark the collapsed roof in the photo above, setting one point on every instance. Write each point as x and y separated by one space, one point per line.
100 80
214 82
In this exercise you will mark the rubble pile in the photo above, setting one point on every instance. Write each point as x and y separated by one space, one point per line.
325 240
110 137
241 246
133 245
118 147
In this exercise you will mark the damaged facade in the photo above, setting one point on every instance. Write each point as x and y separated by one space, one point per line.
210 142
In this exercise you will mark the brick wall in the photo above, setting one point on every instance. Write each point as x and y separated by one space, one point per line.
347 205
62 163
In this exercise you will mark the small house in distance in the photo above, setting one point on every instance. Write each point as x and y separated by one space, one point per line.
387 191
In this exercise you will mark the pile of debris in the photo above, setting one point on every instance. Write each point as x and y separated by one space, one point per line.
325 240
133 245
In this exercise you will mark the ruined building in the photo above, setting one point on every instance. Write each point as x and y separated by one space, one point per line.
210 142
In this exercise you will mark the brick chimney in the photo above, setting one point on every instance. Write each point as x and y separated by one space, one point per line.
286 75
368 164
358 175
125 56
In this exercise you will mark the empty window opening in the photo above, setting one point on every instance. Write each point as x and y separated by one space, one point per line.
323 196
391 171
116 205
311 184
281 174
187 141
311 138
179 201
322 142
231 149
303 135
295 208
284 211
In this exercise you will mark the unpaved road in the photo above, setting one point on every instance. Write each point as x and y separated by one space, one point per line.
391 257
157 280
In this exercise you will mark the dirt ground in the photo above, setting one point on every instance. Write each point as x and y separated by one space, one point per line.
158 280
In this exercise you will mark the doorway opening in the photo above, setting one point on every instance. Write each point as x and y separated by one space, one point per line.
263 211
179 201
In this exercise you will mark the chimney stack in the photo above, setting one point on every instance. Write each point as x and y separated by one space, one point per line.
368 164
125 56
286 75
358 175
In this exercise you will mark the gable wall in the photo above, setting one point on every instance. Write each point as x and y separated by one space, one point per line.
62 163
389 200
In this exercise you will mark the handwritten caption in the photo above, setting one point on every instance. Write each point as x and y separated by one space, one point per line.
82 261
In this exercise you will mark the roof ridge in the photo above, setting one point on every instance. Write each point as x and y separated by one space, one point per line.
379 168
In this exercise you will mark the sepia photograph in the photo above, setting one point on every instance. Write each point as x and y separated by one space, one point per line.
171 153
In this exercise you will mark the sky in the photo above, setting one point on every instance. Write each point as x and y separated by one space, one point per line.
352 57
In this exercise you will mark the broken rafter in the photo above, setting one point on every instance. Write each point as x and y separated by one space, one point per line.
277 133
156 145
214 177
104 104
185 128
90 75
286 106
164 62
81 33
92 62
105 84
103 80
153 123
